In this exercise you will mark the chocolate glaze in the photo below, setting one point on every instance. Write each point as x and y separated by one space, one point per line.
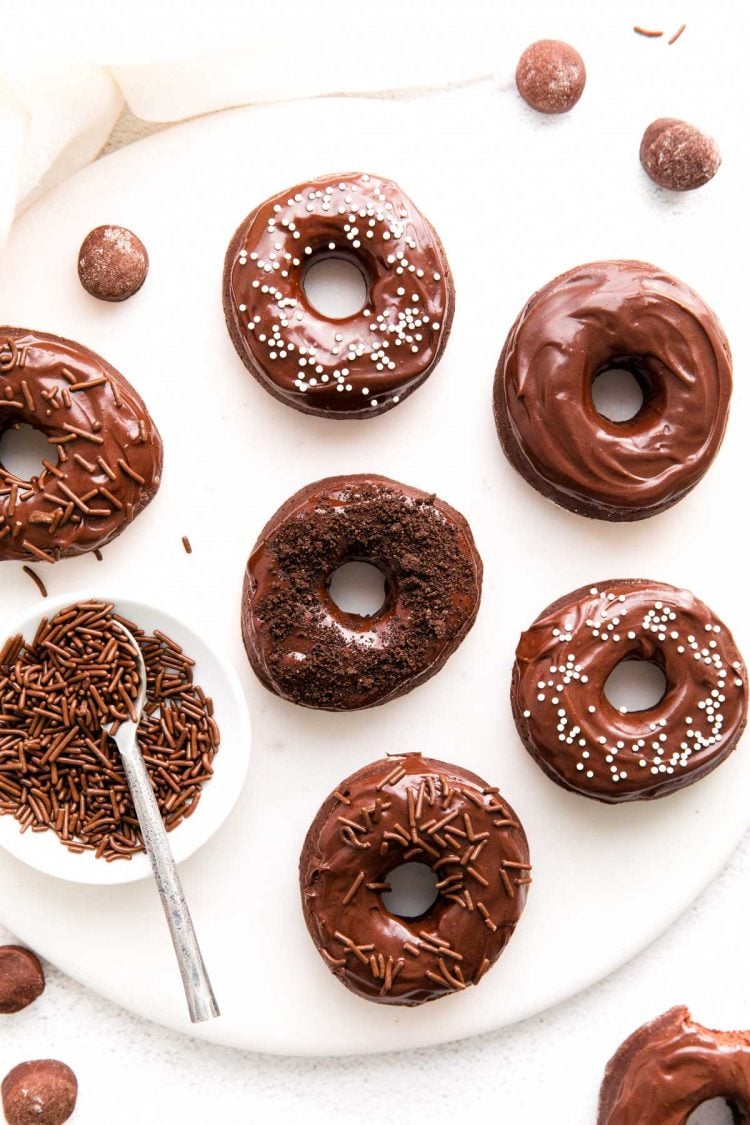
362 365
303 646
670 1066
588 746
594 318
109 452
412 809
21 978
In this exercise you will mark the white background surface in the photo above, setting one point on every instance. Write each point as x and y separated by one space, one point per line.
553 1061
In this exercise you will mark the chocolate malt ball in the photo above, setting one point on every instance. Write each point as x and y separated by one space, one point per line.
42 1092
21 978
112 263
678 156
550 76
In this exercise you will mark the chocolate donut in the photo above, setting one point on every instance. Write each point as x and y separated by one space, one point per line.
674 1064
590 747
593 319
109 453
306 649
402 809
361 365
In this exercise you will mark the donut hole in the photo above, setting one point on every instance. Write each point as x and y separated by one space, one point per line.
619 393
413 890
336 285
359 588
22 450
716 1111
635 685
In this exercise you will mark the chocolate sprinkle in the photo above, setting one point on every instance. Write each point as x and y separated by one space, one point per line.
58 768
36 580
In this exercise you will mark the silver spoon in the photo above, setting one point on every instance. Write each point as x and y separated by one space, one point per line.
198 991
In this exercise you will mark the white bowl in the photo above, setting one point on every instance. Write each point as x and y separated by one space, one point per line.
45 852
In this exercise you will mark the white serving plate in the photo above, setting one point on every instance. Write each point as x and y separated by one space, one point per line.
515 200
43 850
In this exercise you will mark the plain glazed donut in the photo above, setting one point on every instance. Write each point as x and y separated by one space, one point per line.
304 647
670 1066
109 452
362 365
595 318
575 734
412 809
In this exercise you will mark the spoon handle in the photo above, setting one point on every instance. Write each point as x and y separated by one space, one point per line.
198 991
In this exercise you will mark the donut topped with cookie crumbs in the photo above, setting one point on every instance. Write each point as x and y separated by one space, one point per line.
361 365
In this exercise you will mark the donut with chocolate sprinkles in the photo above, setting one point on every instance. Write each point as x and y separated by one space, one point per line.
357 366
107 460
410 809
306 649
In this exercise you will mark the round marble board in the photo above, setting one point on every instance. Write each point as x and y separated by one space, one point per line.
478 163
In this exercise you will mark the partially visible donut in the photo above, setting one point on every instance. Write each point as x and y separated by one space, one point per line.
306 649
361 365
596 318
670 1066
412 809
574 733
109 452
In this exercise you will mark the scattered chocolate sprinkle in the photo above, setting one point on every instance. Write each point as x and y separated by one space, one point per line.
36 580
112 263
58 768
21 978
647 32
97 554
677 155
550 76
187 545
43 1091
677 34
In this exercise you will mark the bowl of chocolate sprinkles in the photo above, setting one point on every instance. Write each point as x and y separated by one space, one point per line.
67 672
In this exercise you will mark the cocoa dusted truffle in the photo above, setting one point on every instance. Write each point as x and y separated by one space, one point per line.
42 1092
678 156
112 263
21 978
550 76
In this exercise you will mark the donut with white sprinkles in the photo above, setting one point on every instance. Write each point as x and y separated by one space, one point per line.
361 365
589 746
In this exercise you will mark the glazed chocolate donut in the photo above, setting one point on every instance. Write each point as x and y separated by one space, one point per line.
576 735
596 318
673 1064
361 365
109 453
306 649
412 809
